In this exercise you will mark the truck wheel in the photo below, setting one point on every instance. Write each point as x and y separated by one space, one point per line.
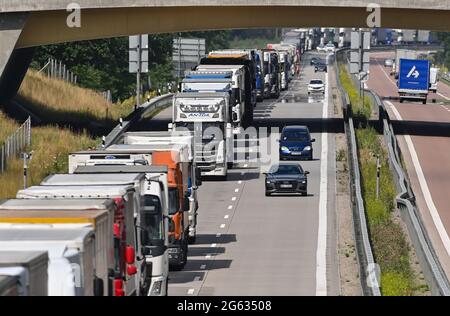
424 101
401 100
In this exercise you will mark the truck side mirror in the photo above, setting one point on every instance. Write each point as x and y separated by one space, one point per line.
186 204
98 286
235 117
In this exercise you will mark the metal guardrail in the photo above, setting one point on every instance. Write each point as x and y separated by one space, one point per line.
15 143
435 276
124 125
369 284
428 260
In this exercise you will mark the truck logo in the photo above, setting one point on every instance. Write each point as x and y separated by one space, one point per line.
198 115
413 72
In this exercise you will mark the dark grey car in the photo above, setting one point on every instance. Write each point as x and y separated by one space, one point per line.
286 178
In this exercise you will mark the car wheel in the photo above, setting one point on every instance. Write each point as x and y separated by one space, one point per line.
304 193
267 193
309 93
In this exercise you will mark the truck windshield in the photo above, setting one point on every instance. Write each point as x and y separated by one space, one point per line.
206 86
174 201
152 220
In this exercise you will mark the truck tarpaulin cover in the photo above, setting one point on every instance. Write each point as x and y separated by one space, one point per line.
414 74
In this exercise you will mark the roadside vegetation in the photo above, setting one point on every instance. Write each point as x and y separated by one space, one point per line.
390 246
50 146
7 127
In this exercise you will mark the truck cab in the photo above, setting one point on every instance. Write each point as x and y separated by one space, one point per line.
272 75
154 155
206 116
194 174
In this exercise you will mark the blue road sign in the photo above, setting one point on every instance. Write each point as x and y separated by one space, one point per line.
414 74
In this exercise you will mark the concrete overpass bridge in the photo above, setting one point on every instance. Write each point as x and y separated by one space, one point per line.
31 23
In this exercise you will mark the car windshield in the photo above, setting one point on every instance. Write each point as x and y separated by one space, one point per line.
316 82
297 136
286 169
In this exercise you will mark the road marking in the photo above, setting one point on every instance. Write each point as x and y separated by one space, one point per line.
230 207
445 97
424 187
197 278
321 255
208 257
236 190
213 245
226 216
246 165
240 182
203 267
385 73
191 292
233 198
222 226
218 235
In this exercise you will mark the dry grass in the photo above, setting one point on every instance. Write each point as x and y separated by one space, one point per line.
62 103
51 146
7 127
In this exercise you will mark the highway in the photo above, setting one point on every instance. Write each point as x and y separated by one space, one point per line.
249 244
423 132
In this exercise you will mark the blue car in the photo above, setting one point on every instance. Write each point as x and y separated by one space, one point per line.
296 143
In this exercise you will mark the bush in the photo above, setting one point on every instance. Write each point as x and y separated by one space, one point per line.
395 284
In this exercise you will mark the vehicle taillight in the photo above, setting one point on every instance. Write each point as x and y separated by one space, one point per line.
118 287
117 230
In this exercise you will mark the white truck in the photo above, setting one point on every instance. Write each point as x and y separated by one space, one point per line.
27 270
402 54
241 108
153 224
434 79
98 214
206 115
71 250
155 155
125 198
194 173
118 176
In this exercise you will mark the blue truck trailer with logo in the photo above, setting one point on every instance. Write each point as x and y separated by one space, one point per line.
413 80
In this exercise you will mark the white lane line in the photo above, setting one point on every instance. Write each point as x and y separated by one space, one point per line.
226 216
222 226
218 235
213 245
208 257
321 255
230 207
236 190
233 198
203 267
424 187
389 77
197 278
441 95
190 292
246 165
240 182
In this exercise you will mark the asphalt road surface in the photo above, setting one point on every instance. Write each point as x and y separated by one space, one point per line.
250 244
423 132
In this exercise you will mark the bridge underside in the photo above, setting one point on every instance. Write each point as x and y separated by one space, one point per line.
49 27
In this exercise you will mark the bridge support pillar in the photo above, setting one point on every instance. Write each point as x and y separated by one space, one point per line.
11 25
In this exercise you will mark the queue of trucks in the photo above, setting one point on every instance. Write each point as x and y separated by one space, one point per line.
124 214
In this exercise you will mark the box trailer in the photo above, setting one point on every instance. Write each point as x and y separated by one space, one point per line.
29 268
71 252
124 196
99 214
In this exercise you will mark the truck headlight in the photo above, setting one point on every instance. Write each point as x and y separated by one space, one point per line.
156 288
284 148
308 148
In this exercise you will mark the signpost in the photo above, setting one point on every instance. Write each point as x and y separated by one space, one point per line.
187 53
359 57
138 61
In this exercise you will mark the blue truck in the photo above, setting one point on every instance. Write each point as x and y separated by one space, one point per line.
413 79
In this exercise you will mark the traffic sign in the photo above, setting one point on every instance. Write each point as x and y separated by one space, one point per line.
138 53
187 53
359 56
414 74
